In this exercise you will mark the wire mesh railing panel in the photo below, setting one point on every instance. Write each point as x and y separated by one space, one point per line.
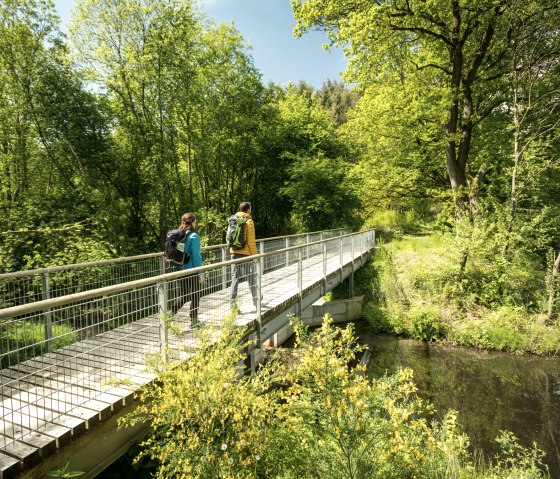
17 289
73 366
281 283
20 290
29 286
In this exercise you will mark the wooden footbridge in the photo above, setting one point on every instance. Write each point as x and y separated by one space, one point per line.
75 339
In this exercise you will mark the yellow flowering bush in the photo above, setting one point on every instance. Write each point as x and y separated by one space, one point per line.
317 416
207 421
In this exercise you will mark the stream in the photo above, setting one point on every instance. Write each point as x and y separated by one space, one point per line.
491 391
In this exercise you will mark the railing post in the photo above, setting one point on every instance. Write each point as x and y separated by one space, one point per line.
224 268
162 264
361 244
307 247
300 282
261 251
48 315
341 252
258 266
324 248
287 252
162 310
352 249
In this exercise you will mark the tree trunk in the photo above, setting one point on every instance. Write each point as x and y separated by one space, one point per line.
553 291
516 162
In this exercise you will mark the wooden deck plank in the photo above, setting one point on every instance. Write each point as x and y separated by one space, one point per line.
76 424
103 409
55 402
46 445
83 375
28 455
10 467
35 382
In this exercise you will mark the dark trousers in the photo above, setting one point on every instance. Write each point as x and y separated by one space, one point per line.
243 272
186 289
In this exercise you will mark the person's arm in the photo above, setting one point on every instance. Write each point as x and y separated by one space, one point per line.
251 240
196 255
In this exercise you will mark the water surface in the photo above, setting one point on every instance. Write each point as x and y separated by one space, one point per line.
491 391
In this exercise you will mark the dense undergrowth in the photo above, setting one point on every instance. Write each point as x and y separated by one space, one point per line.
312 415
414 287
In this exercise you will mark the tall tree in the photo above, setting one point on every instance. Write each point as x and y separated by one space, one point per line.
318 165
460 47
534 99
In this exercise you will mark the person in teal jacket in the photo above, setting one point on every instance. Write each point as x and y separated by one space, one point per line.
189 287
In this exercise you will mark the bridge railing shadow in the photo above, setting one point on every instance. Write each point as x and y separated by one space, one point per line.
67 356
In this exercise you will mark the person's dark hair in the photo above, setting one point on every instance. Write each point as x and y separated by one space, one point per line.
187 221
245 206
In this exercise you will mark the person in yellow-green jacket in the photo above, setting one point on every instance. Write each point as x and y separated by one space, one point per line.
244 271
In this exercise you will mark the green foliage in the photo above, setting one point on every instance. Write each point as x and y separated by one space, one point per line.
17 337
506 328
517 461
318 193
64 472
426 323
313 415
406 222
493 304
317 185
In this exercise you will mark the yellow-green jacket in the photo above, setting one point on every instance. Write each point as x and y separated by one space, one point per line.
250 240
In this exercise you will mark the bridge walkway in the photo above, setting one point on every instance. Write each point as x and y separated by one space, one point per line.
92 366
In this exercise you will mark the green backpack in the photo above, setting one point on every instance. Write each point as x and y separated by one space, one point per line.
236 232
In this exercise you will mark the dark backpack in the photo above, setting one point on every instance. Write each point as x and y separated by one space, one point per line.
175 247
235 236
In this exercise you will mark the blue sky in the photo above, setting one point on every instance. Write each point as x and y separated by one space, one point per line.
267 25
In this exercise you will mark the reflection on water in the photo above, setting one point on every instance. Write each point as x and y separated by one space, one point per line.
491 391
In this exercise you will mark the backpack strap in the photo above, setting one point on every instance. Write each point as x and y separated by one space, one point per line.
185 241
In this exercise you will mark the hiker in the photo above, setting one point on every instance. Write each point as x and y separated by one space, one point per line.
247 247
189 286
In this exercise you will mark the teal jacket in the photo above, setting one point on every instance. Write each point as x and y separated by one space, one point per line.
192 248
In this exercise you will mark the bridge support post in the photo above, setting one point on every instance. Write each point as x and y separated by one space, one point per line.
162 310
48 315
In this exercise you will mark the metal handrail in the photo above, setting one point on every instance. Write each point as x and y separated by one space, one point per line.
54 269
43 305
29 286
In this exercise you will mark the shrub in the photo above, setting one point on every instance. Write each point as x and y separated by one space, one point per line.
206 421
426 323
319 417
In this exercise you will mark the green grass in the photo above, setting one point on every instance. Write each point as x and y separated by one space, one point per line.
27 340
417 291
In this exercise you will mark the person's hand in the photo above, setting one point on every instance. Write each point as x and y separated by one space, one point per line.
201 278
